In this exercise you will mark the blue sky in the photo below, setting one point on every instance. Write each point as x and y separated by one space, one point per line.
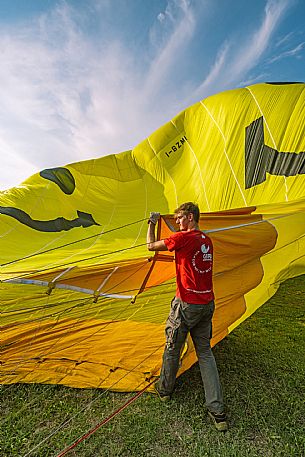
82 79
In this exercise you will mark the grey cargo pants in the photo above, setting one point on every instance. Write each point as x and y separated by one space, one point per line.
196 319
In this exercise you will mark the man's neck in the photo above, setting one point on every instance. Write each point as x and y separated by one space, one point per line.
193 226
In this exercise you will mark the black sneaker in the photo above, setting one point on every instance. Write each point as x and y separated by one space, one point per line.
219 421
162 397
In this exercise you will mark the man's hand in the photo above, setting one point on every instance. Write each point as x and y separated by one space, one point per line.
153 218
153 245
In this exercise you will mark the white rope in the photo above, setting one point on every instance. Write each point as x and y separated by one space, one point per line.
225 152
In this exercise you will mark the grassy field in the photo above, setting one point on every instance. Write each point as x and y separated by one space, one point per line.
261 365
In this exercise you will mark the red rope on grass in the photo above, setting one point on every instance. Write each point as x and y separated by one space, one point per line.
105 421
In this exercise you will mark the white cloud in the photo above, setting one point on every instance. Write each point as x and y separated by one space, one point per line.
237 58
182 29
67 95
252 79
174 9
161 17
295 52
285 39
260 40
215 72
14 168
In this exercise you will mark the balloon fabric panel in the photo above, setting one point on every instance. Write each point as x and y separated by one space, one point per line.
83 302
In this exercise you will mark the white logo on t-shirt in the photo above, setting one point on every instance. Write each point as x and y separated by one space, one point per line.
205 249
198 260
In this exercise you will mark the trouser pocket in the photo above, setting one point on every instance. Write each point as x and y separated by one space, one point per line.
173 322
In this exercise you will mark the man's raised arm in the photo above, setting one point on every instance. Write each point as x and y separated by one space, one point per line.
153 245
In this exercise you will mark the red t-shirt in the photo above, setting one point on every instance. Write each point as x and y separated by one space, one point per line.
194 262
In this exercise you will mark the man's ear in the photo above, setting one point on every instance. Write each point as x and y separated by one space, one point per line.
190 217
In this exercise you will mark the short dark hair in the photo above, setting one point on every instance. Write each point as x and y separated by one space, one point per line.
189 207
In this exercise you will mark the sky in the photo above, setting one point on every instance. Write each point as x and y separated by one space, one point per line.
80 79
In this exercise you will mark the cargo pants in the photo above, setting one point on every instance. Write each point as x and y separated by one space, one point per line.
196 319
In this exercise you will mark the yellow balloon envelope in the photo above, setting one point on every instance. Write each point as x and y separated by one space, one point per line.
83 303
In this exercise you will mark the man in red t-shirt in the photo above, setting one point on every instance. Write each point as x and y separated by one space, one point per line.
191 309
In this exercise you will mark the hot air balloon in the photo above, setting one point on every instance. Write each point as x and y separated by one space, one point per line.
83 302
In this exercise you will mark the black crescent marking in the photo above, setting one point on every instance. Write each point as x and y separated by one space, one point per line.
54 225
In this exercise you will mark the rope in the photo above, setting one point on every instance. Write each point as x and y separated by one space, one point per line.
81 302
221 229
78 261
105 421
69 244
23 362
91 402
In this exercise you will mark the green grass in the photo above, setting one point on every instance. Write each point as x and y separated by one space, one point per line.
261 365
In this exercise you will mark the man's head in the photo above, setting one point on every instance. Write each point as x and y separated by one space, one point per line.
187 216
